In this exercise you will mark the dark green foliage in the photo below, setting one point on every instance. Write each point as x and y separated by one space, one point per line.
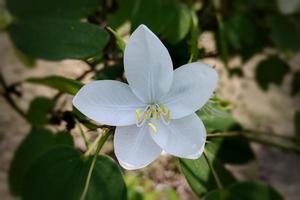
297 125
39 110
51 29
60 83
284 33
245 191
58 39
35 143
67 9
235 150
110 73
168 18
271 70
296 84
61 174
198 173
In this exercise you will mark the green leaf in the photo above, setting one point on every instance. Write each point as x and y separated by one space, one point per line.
215 119
297 125
61 174
284 33
242 34
66 9
58 39
25 59
119 40
296 83
38 111
198 173
245 191
60 83
168 18
35 143
271 70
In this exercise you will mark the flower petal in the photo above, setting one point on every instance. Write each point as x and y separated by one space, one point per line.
134 147
183 137
148 65
108 102
192 87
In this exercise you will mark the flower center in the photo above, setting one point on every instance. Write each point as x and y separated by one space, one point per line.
153 111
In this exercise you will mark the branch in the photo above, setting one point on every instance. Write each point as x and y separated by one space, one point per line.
9 99
262 138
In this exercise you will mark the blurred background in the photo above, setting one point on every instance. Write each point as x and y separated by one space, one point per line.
254 46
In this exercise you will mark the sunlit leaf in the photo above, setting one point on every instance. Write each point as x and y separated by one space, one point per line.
35 143
59 83
61 174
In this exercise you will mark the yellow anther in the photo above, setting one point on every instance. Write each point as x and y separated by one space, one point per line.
168 115
147 115
153 127
157 115
163 108
138 115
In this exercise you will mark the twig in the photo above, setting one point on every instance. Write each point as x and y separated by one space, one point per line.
103 139
9 99
215 175
82 134
284 144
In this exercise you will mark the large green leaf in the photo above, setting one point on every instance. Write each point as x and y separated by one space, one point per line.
218 121
35 143
67 9
245 191
58 39
170 18
60 83
198 173
271 70
38 111
61 174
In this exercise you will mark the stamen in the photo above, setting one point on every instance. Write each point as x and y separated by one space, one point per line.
153 127
163 108
138 115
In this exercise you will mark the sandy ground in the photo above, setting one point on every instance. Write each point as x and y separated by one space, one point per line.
269 111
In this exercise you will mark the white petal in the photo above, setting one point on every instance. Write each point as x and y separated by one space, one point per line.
134 147
193 85
183 137
148 65
108 102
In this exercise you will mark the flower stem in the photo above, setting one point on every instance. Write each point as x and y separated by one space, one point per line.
83 134
101 142
215 175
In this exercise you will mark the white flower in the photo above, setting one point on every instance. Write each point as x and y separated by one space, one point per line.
156 111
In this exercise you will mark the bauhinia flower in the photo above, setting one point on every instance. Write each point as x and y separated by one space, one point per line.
155 112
